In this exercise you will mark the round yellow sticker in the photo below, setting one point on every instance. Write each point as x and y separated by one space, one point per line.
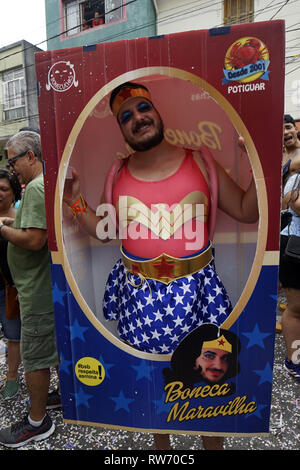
89 371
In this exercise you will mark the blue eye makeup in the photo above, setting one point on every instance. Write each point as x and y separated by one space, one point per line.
142 107
125 117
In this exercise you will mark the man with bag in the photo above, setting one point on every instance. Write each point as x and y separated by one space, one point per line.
28 259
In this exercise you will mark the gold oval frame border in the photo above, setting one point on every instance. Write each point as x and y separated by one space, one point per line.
60 256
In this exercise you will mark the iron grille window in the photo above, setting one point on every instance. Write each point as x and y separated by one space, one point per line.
79 14
13 84
238 11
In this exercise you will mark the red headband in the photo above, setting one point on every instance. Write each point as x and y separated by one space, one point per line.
126 94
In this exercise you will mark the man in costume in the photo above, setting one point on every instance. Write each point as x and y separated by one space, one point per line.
161 289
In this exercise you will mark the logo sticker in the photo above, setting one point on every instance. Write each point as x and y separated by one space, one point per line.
89 371
61 76
246 60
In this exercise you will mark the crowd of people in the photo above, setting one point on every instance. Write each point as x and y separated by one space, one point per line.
25 258
289 269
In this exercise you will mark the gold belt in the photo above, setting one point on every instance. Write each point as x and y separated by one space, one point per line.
166 268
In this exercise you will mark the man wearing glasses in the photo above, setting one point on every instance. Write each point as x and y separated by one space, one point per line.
28 259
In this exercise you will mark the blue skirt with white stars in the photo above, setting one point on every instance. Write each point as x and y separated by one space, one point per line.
155 317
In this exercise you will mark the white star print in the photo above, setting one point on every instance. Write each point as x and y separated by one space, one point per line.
148 320
178 298
187 308
164 348
169 310
218 290
136 341
221 310
167 330
188 301
213 318
131 327
149 300
174 338
185 288
127 313
185 329
158 315
124 330
145 338
155 334
159 296
210 298
194 317
204 309
169 289
178 321
139 305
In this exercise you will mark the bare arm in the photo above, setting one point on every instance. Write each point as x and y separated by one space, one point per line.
295 165
32 239
234 201
293 203
87 219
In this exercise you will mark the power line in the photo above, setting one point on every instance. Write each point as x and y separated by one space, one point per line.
144 25
291 71
287 1
167 18
65 31
171 16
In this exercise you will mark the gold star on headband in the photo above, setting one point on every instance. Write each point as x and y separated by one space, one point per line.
218 343
126 94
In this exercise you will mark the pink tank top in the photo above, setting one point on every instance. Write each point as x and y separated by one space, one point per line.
167 216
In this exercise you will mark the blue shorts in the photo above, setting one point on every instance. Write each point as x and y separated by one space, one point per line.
11 327
155 317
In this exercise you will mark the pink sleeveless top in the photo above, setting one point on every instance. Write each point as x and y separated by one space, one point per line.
167 216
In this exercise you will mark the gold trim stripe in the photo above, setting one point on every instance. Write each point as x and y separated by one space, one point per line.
164 431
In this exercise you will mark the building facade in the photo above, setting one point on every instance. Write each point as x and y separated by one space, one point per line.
17 91
184 15
72 23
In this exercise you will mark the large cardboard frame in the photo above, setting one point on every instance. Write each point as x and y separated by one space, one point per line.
205 95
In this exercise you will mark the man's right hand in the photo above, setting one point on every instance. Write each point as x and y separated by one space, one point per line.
72 188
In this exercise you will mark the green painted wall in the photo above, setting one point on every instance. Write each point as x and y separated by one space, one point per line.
140 21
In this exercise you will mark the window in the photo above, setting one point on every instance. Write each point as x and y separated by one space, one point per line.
13 84
80 14
238 11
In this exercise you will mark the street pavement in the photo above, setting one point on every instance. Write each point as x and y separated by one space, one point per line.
284 423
